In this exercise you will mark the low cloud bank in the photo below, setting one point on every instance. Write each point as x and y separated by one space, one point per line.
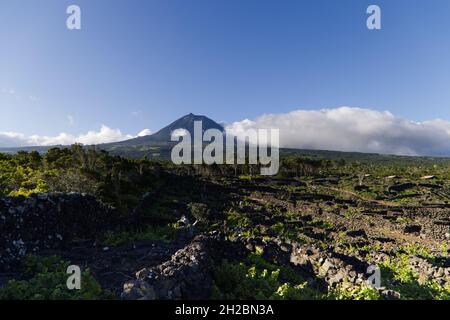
354 129
340 129
104 135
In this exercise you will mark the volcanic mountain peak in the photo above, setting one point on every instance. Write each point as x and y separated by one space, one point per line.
186 122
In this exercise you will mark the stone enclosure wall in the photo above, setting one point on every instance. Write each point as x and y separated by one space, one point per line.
46 221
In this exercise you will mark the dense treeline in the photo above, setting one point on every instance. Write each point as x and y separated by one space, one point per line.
115 180
122 181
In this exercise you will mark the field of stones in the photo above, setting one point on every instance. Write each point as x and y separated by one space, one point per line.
321 229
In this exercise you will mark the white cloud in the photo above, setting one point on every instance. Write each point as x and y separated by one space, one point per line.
11 139
354 129
104 135
177 133
342 129
144 132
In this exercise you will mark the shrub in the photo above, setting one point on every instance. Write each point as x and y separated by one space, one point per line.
258 279
361 292
199 211
45 279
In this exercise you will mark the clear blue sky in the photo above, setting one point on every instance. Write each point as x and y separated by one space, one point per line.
143 63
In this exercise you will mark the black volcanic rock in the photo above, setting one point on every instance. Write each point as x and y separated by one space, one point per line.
189 272
49 221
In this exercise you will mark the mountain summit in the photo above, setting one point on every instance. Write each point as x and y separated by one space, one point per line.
187 123
163 136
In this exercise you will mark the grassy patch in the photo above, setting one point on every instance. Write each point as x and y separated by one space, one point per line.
398 275
45 279
258 279
361 292
161 233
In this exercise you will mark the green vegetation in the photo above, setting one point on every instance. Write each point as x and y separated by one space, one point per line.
114 180
361 292
121 181
258 279
316 199
199 211
45 279
398 276
160 233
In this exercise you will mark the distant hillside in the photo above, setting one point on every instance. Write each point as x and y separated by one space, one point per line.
40 149
159 146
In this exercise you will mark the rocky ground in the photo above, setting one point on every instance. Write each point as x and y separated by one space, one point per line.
328 235
335 234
